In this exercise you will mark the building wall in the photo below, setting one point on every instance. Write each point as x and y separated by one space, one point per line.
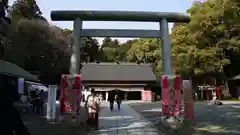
128 93
139 89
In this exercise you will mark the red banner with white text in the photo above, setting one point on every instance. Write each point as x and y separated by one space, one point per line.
70 90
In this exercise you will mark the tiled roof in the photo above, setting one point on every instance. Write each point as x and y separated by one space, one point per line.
117 72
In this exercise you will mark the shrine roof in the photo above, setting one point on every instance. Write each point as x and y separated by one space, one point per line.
117 72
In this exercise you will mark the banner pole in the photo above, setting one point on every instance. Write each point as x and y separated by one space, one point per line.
49 103
54 94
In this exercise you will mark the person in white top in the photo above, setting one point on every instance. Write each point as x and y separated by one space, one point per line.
214 97
86 94
101 97
92 104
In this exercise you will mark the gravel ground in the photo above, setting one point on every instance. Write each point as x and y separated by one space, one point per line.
209 119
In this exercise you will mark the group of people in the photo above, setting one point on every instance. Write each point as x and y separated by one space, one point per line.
36 98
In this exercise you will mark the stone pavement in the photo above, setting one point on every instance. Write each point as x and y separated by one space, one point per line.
125 122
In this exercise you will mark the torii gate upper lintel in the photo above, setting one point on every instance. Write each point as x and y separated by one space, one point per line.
138 16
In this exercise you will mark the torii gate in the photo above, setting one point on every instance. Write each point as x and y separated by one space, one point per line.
163 18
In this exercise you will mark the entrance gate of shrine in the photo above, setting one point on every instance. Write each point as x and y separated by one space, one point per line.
133 16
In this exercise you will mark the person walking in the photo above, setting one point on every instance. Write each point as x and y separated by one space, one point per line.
118 100
217 96
92 105
214 97
42 101
38 102
111 101
33 100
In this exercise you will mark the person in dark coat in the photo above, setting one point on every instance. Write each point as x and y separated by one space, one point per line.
12 123
33 95
42 101
111 100
118 99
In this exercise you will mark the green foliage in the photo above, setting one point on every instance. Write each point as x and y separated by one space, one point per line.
123 49
112 50
202 44
27 9
33 44
145 50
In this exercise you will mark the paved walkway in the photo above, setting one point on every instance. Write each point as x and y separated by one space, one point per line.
124 122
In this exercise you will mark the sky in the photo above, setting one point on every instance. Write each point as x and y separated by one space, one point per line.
122 5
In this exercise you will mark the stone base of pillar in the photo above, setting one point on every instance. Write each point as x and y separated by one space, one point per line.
173 126
172 123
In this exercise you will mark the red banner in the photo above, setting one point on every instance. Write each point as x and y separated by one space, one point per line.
166 88
70 93
166 96
178 87
177 95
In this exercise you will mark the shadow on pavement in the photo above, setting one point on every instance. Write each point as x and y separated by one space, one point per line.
130 127
38 125
113 121
209 119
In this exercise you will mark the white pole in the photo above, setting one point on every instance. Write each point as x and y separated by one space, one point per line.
85 94
49 103
106 96
54 96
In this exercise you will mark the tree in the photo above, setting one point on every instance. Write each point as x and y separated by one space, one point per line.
210 35
35 45
41 45
107 41
27 9
4 22
145 50
108 54
90 50
123 49
109 50
89 47
115 43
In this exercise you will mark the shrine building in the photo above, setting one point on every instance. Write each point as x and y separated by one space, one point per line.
130 79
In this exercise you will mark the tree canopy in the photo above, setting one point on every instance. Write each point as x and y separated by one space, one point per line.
209 38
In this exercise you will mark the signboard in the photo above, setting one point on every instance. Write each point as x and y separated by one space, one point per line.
70 93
